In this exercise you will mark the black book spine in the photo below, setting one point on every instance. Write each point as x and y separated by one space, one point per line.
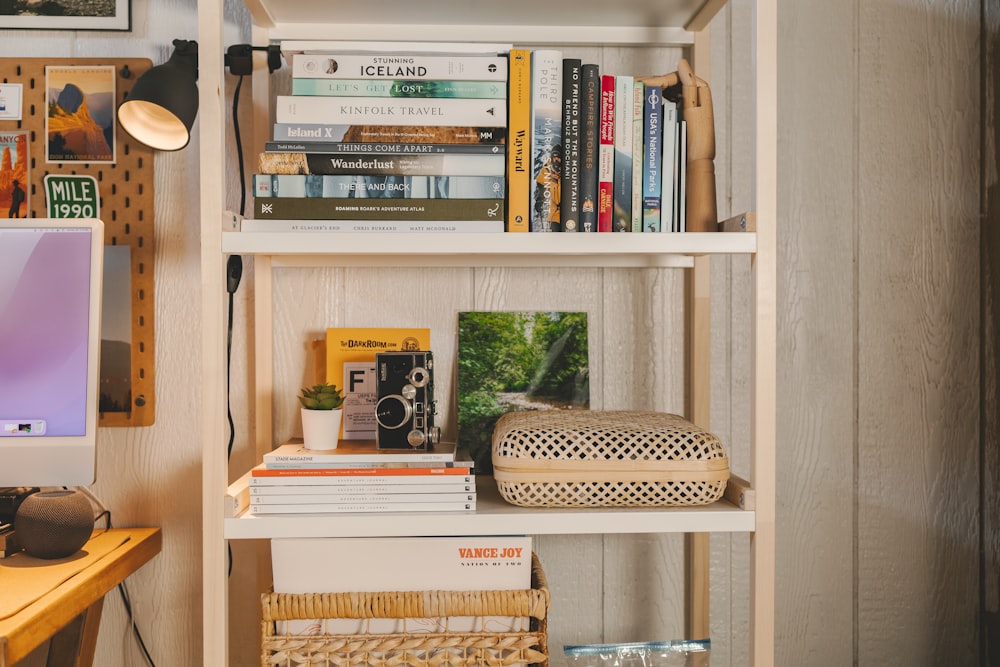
569 196
590 115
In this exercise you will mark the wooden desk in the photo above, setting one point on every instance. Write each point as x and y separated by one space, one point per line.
69 611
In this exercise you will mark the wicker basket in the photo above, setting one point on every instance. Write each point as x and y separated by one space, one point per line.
405 649
584 458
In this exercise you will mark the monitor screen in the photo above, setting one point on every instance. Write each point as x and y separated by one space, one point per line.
50 307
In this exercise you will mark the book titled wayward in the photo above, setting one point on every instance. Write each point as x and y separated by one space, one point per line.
546 139
436 164
390 111
392 186
340 208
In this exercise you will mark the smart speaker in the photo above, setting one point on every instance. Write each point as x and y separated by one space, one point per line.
54 524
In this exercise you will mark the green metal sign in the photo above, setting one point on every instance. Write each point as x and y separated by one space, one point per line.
72 196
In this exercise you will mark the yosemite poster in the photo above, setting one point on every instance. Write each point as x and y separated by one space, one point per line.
80 114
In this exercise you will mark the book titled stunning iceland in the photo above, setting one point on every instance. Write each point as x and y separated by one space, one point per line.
517 360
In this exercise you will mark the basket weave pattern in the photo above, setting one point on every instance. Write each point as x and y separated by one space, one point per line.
404 649
573 458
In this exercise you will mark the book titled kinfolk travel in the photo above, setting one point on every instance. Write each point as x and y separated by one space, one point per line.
390 111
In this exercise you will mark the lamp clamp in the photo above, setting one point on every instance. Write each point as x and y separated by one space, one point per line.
239 58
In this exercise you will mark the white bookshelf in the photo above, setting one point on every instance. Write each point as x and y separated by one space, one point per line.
630 23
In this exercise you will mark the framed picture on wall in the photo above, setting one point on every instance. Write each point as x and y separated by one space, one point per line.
66 14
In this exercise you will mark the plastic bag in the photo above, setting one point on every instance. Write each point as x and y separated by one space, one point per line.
640 654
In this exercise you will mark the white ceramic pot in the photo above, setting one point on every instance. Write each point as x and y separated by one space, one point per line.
321 428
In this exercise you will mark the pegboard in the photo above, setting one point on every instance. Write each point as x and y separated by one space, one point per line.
126 203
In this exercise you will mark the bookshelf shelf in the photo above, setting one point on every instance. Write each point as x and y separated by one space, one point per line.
590 21
494 516
619 250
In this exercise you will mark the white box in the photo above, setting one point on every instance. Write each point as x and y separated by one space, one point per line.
378 564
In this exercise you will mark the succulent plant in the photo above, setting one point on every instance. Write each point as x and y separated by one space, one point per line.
321 397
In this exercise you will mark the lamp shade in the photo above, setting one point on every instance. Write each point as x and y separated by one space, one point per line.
162 105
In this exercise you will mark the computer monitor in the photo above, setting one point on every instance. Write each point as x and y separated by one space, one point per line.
50 312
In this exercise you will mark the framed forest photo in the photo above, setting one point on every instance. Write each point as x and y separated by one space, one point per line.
66 14
517 360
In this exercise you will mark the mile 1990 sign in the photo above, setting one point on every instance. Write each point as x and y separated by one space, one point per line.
72 196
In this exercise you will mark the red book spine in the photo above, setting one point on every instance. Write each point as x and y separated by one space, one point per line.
606 155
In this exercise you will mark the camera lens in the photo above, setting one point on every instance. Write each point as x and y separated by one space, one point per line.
393 411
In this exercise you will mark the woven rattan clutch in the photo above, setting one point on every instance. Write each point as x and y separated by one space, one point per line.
584 458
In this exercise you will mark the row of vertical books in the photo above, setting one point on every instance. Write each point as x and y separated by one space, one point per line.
355 477
591 151
388 137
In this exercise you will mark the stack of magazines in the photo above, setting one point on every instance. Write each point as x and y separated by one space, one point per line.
358 477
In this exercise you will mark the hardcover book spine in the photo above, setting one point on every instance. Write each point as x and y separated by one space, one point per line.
437 164
378 210
653 156
590 114
546 139
623 154
668 178
638 134
379 187
569 189
412 67
380 148
322 476
606 156
391 226
518 152
398 88
417 134
390 111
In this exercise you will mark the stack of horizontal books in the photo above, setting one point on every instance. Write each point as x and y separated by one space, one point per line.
358 477
387 137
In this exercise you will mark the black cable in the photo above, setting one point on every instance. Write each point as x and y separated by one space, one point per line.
234 271
127 602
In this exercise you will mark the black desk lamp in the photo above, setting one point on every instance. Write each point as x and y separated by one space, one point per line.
162 105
